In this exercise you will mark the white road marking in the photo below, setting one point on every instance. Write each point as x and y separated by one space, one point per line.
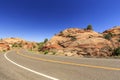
38 73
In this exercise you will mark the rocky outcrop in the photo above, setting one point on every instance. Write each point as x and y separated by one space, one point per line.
9 43
30 45
115 36
114 30
4 46
12 40
79 42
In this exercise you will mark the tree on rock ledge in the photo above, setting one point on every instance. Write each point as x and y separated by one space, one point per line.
46 40
89 27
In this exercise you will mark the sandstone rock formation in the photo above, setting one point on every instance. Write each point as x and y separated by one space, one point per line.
4 46
9 43
79 42
115 38
12 40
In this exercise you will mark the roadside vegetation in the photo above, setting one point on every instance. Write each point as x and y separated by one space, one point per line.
116 52
46 52
54 53
41 44
17 45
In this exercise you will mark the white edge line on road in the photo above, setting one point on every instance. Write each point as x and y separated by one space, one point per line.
38 73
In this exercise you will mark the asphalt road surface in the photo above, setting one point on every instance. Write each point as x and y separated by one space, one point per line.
24 65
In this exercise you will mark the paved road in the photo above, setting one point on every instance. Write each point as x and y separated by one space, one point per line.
23 65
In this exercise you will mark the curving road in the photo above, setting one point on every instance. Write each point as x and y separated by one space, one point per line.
24 65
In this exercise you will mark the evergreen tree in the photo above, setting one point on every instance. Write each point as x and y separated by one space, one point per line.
89 27
45 40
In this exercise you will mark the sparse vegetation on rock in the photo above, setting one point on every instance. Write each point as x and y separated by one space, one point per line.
116 51
79 42
10 43
45 40
72 38
46 52
108 36
53 53
14 45
40 45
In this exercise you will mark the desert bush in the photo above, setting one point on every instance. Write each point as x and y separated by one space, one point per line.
46 40
108 36
61 33
14 45
89 27
116 51
61 44
54 53
4 50
34 46
73 38
40 45
17 45
45 52
68 36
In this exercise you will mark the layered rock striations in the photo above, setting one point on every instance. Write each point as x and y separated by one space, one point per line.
80 42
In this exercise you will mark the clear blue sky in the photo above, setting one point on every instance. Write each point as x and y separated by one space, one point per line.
36 20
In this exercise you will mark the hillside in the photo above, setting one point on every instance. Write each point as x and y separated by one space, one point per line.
79 42
12 40
71 42
10 43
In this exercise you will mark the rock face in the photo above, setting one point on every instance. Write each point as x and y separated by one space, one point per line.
115 38
12 40
79 42
4 46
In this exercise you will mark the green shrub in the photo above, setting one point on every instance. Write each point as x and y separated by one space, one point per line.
108 36
14 45
89 27
62 45
116 51
61 33
34 46
46 40
68 36
54 53
73 38
40 45
4 50
17 45
46 52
